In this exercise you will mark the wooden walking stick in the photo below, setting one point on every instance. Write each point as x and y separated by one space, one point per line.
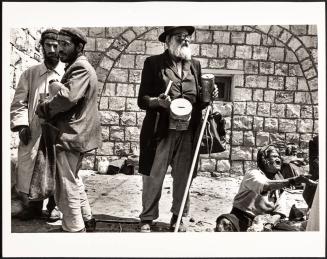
192 168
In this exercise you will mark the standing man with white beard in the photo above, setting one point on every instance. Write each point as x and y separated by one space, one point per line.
166 140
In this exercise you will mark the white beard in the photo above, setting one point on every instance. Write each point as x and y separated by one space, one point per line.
182 52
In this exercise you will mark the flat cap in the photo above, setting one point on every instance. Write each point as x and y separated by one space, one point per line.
75 33
49 34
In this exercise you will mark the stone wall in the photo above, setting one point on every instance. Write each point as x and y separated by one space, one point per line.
274 97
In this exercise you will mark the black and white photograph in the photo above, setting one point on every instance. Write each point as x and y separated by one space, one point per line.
167 137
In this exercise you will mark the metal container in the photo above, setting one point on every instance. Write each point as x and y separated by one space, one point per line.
208 82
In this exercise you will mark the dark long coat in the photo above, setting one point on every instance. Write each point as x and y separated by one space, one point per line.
157 72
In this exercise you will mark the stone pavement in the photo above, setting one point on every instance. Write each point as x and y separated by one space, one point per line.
116 203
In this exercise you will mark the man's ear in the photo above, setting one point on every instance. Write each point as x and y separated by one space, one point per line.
80 47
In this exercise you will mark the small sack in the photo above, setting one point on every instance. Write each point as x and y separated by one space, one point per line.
43 178
214 137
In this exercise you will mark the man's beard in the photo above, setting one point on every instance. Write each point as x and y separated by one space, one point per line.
51 60
180 51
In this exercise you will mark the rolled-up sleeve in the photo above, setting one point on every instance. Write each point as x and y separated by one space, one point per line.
254 180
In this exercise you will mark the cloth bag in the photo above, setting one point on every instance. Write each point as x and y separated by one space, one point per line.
214 137
43 178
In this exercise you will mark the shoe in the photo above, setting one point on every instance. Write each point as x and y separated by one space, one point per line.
54 215
146 226
173 221
90 225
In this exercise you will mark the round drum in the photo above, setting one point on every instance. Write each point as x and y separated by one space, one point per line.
180 109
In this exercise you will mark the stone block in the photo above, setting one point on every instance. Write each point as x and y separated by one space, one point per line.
131 104
275 31
106 63
316 126
271 125
285 36
292 138
284 96
237 138
290 56
257 123
299 29
242 123
263 109
237 168
118 75
93 58
128 35
128 119
302 98
135 76
249 139
257 95
291 83
312 29
151 35
281 69
102 44
260 53
139 61
239 108
253 38
276 54
140 117
266 68
234 28
209 50
107 149
136 47
251 108
117 103
125 90
244 52
154 48
262 138
238 80
103 103
287 125
306 64
221 37
113 53
313 84
117 133
276 82
310 73
109 89
256 81
242 94
225 109
141 29
132 133
267 40
90 46
241 153
203 36
294 70
302 54
109 118
269 96
219 28
203 61
314 95
302 84
126 61
294 44
305 125
277 110
314 54
226 51
113 32
292 111
208 165
306 111
223 166
304 141
105 133
217 63
88 163
237 37
235 64
251 67
97 32
122 149
277 137
195 49
102 74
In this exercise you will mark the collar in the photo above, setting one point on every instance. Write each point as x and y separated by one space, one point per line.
44 69
79 57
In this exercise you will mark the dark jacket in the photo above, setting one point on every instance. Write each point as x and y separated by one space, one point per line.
74 109
157 72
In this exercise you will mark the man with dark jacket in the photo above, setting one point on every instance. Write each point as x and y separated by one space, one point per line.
73 110
165 138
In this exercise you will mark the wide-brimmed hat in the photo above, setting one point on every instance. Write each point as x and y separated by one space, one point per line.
169 29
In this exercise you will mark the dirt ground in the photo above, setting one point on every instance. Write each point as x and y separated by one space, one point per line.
116 203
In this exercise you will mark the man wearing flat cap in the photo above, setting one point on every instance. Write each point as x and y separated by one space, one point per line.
167 139
74 111
33 83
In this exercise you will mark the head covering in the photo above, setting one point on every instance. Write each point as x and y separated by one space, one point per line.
232 218
49 34
263 154
74 33
170 29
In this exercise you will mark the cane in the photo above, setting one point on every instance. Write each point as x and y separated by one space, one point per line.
192 168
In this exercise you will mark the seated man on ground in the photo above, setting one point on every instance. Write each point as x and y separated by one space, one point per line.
261 192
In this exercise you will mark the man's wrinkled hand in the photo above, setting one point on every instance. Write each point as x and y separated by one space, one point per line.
304 179
25 135
164 101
